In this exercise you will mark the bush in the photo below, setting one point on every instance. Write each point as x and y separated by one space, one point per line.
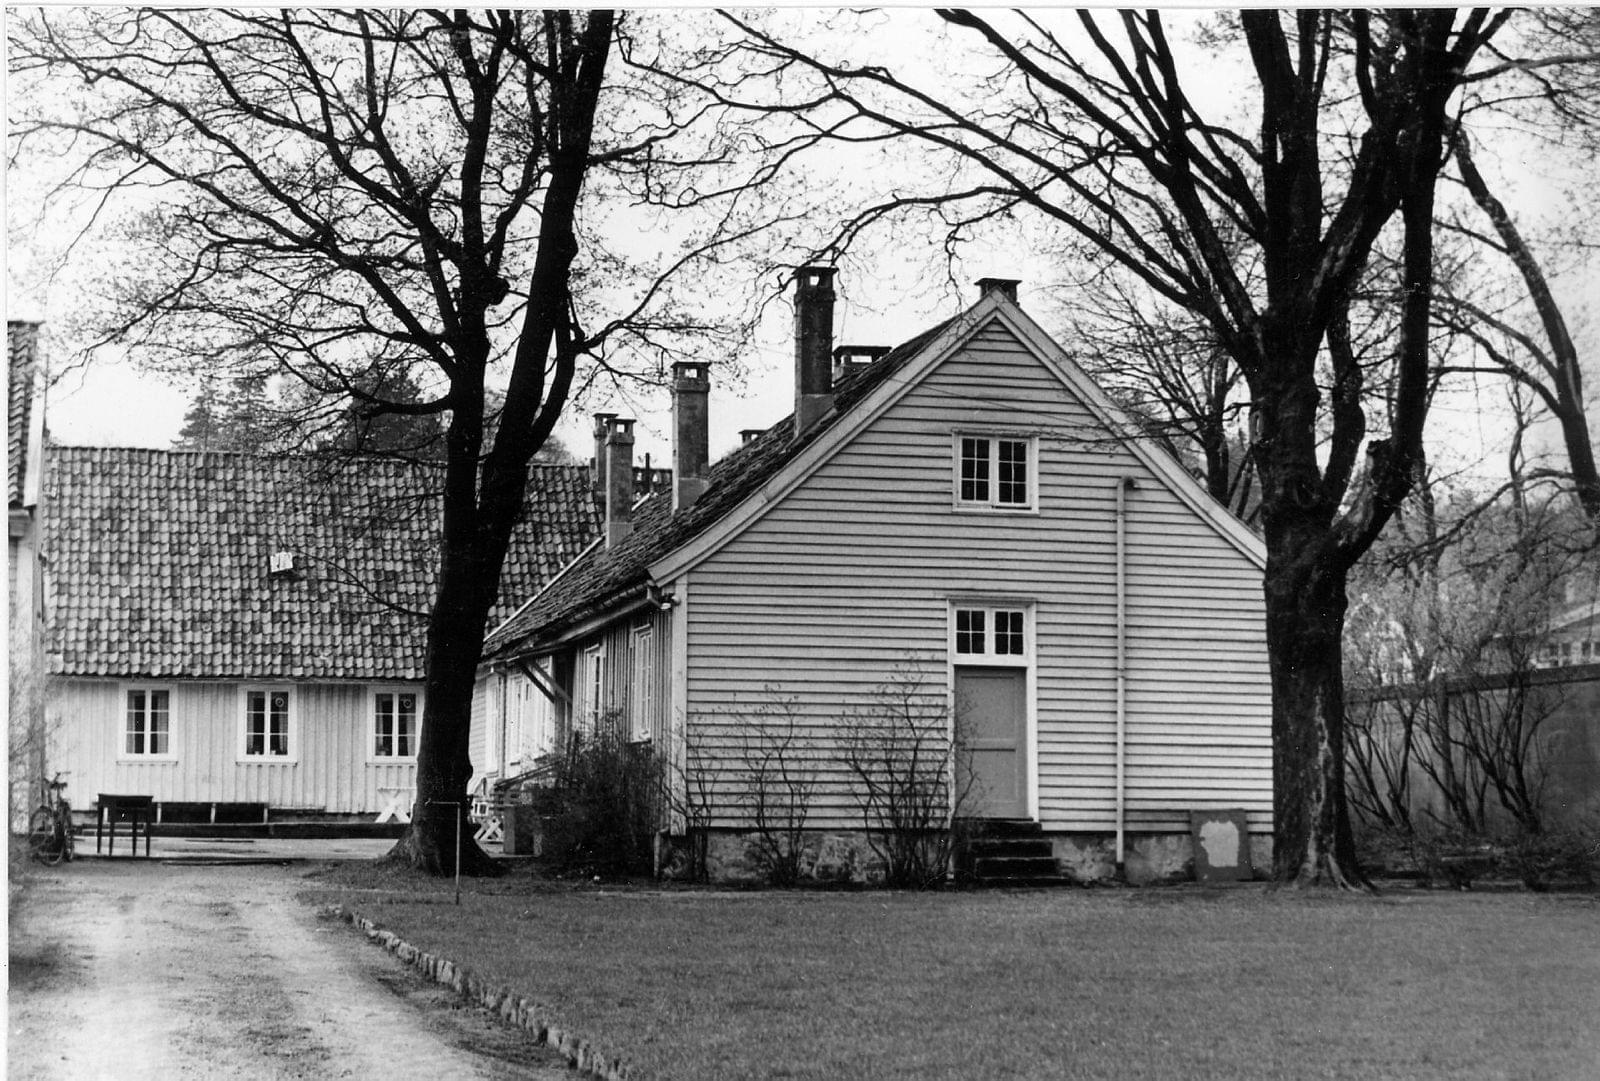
604 808
1562 857
913 779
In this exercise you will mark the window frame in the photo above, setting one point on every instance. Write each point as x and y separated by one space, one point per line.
990 608
373 694
291 722
128 689
592 677
641 687
992 504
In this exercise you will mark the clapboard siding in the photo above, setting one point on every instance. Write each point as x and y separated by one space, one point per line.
846 581
331 771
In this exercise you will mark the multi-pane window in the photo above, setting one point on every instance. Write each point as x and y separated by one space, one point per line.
394 726
991 633
266 724
993 471
970 623
148 729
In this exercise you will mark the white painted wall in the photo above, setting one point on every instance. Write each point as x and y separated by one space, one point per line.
332 770
848 579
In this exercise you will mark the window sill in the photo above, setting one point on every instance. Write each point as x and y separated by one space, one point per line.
149 759
268 760
979 508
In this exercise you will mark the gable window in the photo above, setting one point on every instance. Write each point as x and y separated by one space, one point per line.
266 723
147 724
994 471
394 724
990 634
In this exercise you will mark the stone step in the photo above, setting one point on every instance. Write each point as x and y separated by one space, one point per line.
1010 846
987 867
982 828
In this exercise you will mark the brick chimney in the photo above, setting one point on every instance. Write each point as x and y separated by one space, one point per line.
619 479
691 439
1006 287
813 345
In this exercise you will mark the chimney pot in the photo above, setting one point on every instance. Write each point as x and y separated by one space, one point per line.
1006 287
597 464
691 443
849 359
813 345
618 457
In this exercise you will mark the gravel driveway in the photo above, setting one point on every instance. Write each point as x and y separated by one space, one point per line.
133 969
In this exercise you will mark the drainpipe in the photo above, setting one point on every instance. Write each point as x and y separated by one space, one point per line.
1124 486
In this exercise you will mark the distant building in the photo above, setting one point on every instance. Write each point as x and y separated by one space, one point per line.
237 635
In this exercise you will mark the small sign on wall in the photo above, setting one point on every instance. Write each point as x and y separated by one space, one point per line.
1221 846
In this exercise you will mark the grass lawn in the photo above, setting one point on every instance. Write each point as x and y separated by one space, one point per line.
1176 983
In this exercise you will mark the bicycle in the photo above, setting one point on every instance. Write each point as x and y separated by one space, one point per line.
50 827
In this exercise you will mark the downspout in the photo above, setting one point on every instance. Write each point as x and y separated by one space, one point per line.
1124 486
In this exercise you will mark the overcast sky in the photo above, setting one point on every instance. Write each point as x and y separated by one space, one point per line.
886 296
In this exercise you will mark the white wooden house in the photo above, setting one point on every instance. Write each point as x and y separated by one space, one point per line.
237 633
968 511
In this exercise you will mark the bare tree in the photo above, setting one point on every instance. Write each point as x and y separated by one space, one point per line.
1452 616
1545 362
1170 373
1094 128
342 195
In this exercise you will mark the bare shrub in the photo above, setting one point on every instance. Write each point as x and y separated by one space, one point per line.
912 776
779 781
686 794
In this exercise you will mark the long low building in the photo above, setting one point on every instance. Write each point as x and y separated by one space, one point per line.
229 633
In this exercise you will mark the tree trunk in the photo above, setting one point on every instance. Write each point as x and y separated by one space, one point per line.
1313 842
444 767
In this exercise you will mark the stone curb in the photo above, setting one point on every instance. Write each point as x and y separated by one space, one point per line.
512 1007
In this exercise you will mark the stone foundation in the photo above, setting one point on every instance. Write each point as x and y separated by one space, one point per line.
733 857
1149 859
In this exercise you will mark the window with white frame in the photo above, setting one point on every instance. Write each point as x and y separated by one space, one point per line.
592 673
147 725
989 634
641 687
994 471
394 724
267 723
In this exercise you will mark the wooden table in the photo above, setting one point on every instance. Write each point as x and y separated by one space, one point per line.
130 809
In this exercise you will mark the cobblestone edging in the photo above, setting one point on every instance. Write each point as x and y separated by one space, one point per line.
514 1008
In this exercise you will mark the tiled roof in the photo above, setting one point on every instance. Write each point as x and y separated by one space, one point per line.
604 576
22 354
160 562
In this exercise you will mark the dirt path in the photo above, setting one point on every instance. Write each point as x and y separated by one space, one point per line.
133 970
